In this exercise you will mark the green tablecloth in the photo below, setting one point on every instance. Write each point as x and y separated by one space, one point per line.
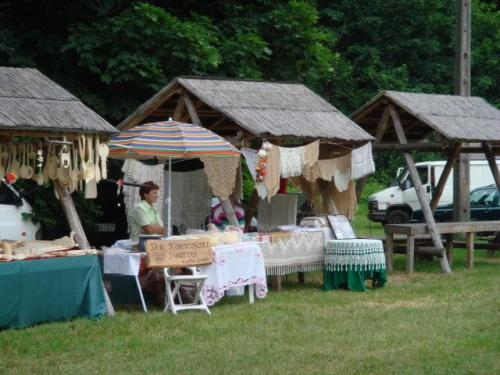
348 263
353 280
46 290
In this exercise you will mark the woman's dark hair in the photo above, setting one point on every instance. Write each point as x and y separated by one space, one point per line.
150 185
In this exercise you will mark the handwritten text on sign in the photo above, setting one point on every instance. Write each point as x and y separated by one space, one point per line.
178 253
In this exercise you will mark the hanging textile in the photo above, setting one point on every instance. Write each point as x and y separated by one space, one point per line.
345 201
250 156
362 161
137 172
272 178
342 174
280 210
311 153
221 173
291 161
191 199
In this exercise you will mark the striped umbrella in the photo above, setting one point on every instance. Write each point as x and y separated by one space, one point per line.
168 140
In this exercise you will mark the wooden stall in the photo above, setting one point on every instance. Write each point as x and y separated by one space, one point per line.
249 112
405 122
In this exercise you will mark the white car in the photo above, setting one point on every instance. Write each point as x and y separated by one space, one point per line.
13 226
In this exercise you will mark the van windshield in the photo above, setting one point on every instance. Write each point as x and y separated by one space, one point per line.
423 173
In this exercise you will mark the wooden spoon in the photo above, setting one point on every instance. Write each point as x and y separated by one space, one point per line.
90 174
2 168
96 152
103 153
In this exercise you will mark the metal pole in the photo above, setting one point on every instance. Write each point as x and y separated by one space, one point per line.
169 199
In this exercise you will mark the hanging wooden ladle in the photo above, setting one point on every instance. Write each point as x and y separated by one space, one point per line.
103 153
2 168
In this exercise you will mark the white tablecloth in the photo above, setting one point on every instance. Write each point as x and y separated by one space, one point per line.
126 264
233 266
298 251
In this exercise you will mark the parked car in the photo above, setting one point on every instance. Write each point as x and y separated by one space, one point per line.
484 206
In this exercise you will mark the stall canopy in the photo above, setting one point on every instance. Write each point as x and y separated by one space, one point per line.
240 109
32 103
405 122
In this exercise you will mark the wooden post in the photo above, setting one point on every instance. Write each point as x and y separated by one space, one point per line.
252 205
452 157
492 162
179 108
389 250
429 218
410 252
449 247
195 119
461 173
379 134
469 240
229 210
72 216
327 198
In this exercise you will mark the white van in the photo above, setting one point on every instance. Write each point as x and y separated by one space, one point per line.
396 204
13 226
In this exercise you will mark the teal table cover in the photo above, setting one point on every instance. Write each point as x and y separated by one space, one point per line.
45 290
348 263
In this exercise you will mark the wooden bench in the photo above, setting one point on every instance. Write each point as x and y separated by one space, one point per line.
411 231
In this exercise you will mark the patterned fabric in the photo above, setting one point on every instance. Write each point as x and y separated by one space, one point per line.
311 153
344 200
272 179
251 159
234 266
355 254
142 214
126 264
291 161
169 139
221 173
362 161
298 251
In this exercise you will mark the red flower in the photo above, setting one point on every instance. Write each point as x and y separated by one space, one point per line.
10 177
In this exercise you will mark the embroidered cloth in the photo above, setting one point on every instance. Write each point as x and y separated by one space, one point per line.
234 266
292 161
250 156
303 250
221 173
311 153
362 161
354 254
272 179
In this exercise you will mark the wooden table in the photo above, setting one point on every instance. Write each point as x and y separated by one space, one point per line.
448 229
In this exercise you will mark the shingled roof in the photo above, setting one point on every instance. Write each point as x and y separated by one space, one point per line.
29 101
457 118
264 109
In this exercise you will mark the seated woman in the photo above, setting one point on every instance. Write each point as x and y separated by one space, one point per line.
144 219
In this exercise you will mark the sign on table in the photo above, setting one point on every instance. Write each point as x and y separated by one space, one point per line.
341 227
178 253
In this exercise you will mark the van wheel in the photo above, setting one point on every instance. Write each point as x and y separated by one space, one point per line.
398 217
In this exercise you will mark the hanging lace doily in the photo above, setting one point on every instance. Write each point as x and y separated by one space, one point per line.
292 161
272 179
221 173
250 156
311 153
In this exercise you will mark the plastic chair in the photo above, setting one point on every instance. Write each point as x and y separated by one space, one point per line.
173 284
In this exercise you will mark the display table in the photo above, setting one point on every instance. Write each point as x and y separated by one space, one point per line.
348 263
298 251
125 264
45 290
233 266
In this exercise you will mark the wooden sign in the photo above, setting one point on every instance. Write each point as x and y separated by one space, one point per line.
178 253
341 227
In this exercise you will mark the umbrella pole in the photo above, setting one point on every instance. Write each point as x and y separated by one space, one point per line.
169 199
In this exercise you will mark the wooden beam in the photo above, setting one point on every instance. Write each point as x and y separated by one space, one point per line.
379 134
252 205
197 106
229 210
179 108
452 158
492 162
195 119
429 218
327 198
217 123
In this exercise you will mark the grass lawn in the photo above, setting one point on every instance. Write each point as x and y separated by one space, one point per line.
426 323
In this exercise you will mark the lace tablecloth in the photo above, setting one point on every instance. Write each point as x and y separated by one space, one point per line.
126 264
233 266
354 254
297 251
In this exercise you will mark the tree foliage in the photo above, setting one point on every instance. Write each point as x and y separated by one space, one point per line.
115 54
